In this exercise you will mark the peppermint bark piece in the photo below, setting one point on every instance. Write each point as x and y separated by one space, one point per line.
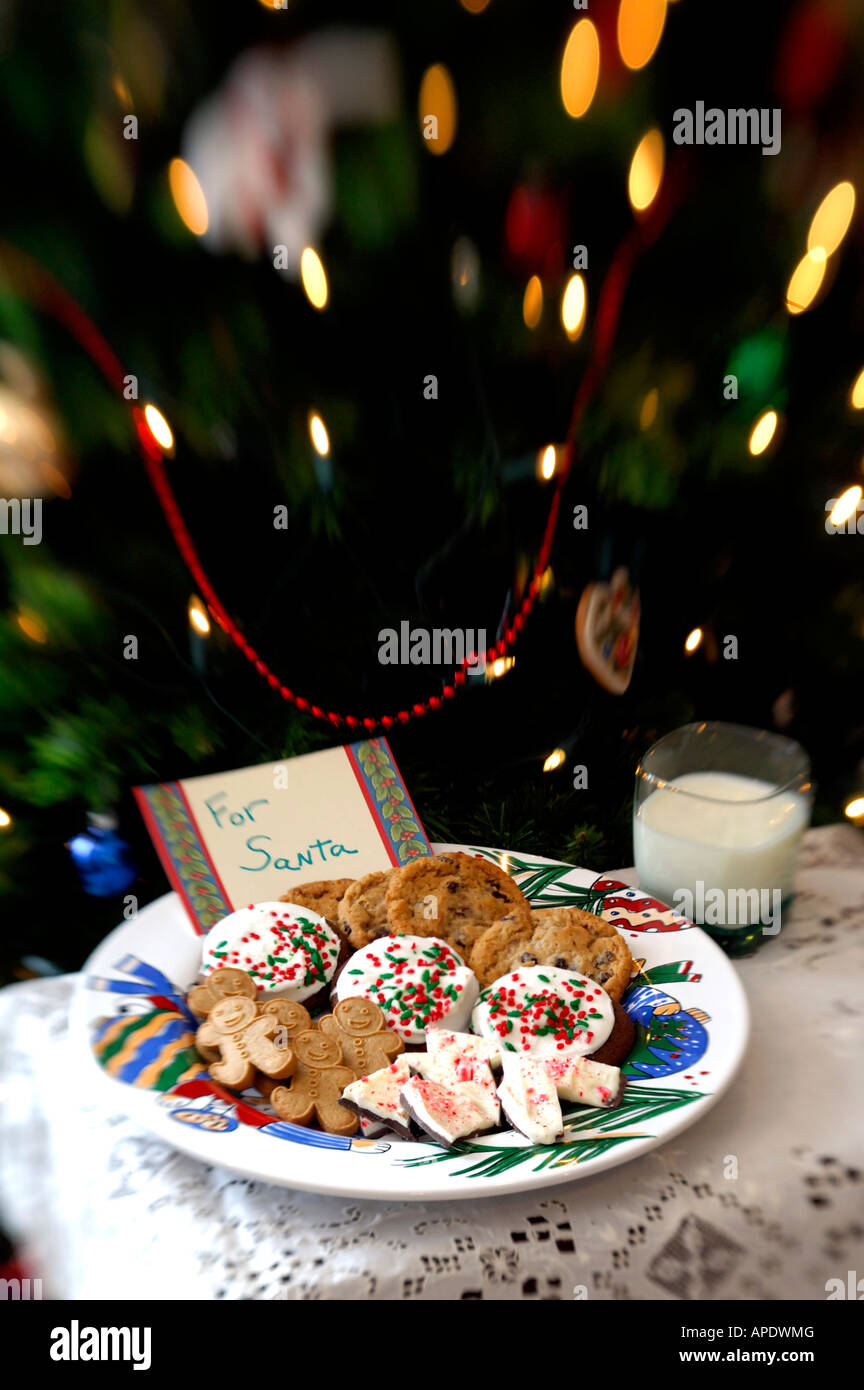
445 1113
451 1069
376 1098
586 1082
530 1102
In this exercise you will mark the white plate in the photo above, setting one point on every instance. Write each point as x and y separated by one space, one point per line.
694 1011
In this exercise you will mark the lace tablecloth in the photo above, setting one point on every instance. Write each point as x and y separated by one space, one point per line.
760 1200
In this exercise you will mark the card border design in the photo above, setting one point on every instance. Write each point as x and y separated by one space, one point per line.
191 871
192 874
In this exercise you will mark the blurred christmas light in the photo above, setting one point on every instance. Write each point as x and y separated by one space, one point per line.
857 395
31 626
573 307
846 505
694 640
30 459
198 616
122 92
437 108
855 808
831 219
546 463
532 303
500 666
646 171
5 819
318 434
762 432
547 579
555 759
188 196
158 427
465 273
313 278
580 68
474 6
640 27
648 410
806 280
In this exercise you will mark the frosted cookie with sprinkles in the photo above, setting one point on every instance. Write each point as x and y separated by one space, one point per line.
289 952
454 897
417 981
363 909
539 1011
564 937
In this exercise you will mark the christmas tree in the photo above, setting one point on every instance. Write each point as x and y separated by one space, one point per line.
343 277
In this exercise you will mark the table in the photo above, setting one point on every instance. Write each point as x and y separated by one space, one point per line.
761 1200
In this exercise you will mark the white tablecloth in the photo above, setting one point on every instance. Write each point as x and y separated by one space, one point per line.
101 1210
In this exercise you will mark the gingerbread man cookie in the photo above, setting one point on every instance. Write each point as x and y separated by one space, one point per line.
220 985
245 1041
316 1085
360 1028
292 1016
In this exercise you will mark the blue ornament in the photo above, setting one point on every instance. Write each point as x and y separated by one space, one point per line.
104 861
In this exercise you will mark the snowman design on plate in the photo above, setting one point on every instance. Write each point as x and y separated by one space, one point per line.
670 1039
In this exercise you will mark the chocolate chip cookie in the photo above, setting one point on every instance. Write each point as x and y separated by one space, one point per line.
454 897
565 937
323 896
363 911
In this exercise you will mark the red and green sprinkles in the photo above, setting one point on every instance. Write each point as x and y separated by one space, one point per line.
518 1017
279 950
416 988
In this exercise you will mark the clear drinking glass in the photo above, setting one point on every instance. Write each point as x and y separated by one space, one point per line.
718 815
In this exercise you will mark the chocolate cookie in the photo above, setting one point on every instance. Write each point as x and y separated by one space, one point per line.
565 937
323 896
617 1047
454 897
363 911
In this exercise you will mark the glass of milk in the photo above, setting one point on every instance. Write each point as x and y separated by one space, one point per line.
718 815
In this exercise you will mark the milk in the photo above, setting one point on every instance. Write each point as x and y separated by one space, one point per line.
723 830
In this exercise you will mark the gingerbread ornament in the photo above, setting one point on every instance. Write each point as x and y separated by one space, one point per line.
220 985
245 1041
360 1028
316 1085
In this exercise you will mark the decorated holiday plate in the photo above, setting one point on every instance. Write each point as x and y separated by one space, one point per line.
686 1004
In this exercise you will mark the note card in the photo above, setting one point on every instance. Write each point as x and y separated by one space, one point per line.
233 838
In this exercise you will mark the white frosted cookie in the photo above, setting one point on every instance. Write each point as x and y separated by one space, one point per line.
289 952
418 981
540 1011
